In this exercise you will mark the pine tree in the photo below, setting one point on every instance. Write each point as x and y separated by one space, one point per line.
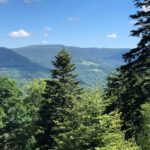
129 89
91 129
61 93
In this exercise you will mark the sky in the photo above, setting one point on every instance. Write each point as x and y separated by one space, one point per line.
82 23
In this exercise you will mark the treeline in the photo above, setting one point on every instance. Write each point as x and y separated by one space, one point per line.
59 114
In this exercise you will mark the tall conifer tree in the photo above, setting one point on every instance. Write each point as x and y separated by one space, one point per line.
129 89
60 95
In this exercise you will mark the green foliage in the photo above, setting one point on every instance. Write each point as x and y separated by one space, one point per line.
129 88
57 114
12 114
32 102
144 134
18 114
79 124
1 118
89 128
60 95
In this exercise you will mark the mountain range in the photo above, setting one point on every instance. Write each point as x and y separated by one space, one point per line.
35 62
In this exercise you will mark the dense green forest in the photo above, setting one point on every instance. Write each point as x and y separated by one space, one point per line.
60 114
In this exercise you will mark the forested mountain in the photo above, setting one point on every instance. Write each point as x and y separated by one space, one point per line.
44 53
18 66
91 63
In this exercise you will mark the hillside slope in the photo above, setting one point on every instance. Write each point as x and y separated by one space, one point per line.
92 63
13 64
35 61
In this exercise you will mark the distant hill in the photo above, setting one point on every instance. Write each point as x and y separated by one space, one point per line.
91 63
43 54
13 64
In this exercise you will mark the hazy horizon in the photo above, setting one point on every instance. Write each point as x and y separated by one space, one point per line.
65 46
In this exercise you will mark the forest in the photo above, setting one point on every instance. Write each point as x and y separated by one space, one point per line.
60 114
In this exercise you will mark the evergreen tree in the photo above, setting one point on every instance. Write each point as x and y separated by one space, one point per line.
129 89
144 133
61 93
91 129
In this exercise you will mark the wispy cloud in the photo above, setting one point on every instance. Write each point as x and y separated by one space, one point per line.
3 1
47 30
25 1
112 36
73 19
30 1
19 34
46 33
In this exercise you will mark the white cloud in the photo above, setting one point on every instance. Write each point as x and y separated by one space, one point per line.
112 36
19 34
146 8
3 1
73 19
47 30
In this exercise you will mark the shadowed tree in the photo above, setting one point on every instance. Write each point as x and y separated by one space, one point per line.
129 89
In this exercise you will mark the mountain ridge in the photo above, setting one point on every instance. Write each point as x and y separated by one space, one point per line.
9 60
91 63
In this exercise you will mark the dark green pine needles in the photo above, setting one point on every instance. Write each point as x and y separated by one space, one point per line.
62 91
129 89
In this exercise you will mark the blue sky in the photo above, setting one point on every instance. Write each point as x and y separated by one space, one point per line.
84 23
